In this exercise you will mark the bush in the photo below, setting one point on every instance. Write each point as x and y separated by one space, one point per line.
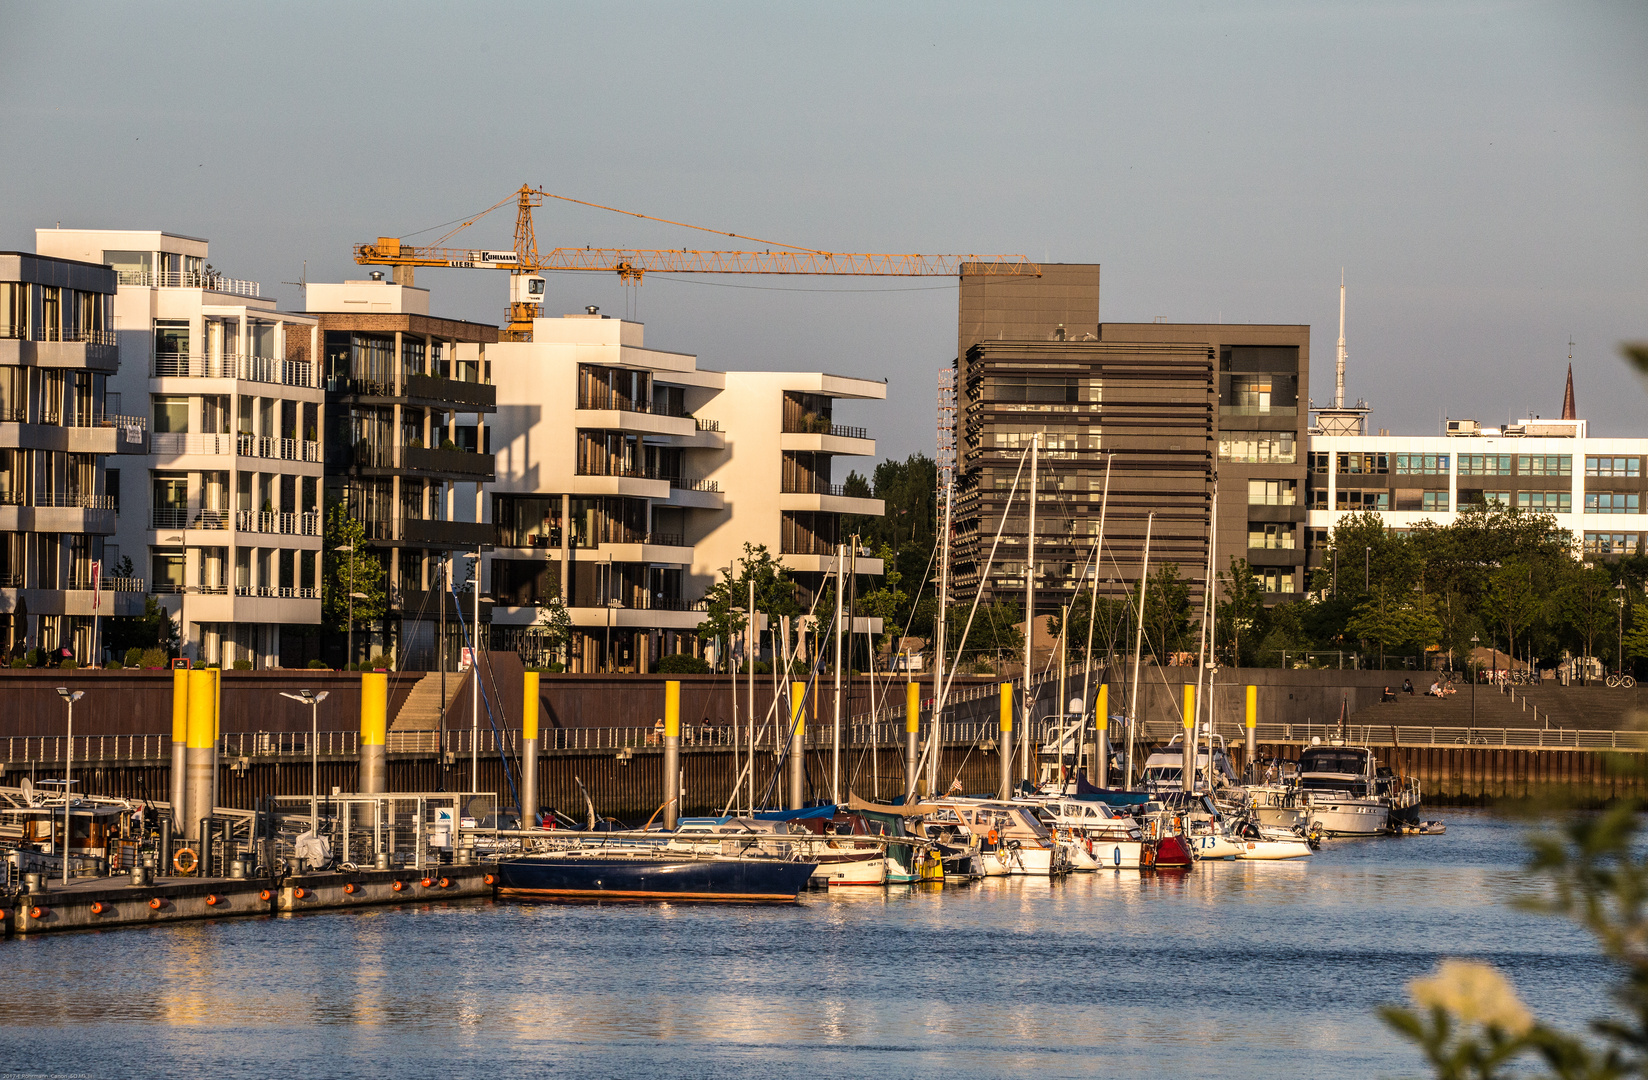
69 664
153 658
34 658
243 665
113 665
378 661
318 664
134 658
682 664
19 662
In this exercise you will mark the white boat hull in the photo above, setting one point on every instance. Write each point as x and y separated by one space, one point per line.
1281 817
1214 846
853 872
1271 850
1025 861
1349 817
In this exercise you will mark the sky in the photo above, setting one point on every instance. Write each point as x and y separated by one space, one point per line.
1476 168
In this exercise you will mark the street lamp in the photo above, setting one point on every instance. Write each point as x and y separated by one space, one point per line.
1367 569
1471 668
313 700
68 775
475 674
612 605
1619 653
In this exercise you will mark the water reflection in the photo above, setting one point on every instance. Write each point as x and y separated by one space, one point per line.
1235 969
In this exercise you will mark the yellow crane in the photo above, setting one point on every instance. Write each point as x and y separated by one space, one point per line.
525 263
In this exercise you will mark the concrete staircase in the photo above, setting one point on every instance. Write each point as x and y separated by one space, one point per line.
416 725
1591 708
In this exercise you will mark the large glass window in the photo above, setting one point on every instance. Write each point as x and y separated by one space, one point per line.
1421 464
1613 502
1484 464
1321 461
1434 502
1251 393
1270 536
1272 492
1353 499
171 337
171 414
1601 543
1613 466
1549 502
1025 393
166 571
1545 464
1274 580
1258 446
1371 464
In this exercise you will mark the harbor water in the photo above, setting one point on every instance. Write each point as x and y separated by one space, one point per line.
1235 969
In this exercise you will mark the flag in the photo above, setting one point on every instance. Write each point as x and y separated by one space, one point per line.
97 584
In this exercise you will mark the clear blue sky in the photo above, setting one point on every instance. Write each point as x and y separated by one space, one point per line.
1479 169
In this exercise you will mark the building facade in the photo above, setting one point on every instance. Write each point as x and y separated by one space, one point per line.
408 451
58 429
223 513
627 476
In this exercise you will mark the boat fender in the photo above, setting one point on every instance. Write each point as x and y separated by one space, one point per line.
97 907
349 889
398 886
157 903
490 880
427 882
265 895
184 861
445 884
38 912
213 899
299 893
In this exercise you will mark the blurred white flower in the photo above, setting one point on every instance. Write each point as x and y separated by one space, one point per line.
1475 993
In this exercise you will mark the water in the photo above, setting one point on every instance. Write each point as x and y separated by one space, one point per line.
1237 969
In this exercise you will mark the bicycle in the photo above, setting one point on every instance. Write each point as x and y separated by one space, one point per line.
1618 681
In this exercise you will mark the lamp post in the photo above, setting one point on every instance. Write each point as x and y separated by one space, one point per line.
1367 569
313 700
1471 667
475 673
1619 647
612 605
68 774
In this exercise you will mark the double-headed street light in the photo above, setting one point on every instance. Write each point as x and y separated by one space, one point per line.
68 775
1619 654
1471 667
313 700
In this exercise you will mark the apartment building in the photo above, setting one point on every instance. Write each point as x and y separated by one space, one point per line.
627 476
408 451
223 513
1167 413
58 428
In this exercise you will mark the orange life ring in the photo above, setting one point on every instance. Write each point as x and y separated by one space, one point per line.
185 865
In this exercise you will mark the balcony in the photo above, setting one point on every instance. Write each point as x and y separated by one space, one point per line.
47 347
188 279
436 391
181 517
268 521
830 503
447 534
179 444
260 369
277 592
458 463
1275 556
272 449
1275 512
821 426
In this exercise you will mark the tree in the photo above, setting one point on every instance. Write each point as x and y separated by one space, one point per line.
1166 612
907 527
154 629
1636 636
355 571
886 602
1587 603
1513 601
553 626
727 598
1388 618
995 632
1240 616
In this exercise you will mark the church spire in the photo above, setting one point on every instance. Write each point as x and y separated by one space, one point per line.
1568 412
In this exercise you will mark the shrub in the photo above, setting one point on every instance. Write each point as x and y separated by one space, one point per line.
243 665
378 661
19 662
554 667
134 658
318 664
69 664
34 658
682 664
113 665
153 658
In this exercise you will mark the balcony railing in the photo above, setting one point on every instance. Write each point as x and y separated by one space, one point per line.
268 521
19 332
817 488
707 425
177 443
279 592
820 426
107 584
651 408
689 483
60 499
265 446
11 581
182 517
188 279
261 369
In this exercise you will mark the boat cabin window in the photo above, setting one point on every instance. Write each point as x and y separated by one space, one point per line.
1349 762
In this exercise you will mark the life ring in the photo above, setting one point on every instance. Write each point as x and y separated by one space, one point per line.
994 837
185 861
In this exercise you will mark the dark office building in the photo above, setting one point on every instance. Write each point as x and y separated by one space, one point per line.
1175 405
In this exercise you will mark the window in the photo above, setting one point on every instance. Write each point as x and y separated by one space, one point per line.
1318 498
1018 393
1272 492
1421 464
1545 464
1321 461
1600 543
1484 464
1258 446
1352 499
1549 502
1435 502
1613 466
1251 394
1496 498
166 571
171 414
1353 464
261 337
1612 502
1270 536
171 337
1274 581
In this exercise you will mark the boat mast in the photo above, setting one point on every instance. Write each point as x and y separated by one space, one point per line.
835 747
934 728
753 642
1064 666
1101 742
1189 769
1138 651
1029 615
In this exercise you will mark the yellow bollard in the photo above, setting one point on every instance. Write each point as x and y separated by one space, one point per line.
1006 786
374 725
180 746
202 752
672 754
529 749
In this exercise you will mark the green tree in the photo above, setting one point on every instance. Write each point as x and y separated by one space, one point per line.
907 527
1388 618
995 633
1587 600
1240 617
727 598
553 625
352 571
1166 612
1513 601
1636 634
887 601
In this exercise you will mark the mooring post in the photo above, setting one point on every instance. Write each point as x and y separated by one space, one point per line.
197 796
180 744
1252 730
529 750
1189 748
374 725
912 727
672 754
217 735
798 755
1101 740
1006 791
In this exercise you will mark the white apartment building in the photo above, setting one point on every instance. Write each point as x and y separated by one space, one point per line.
223 515
626 476
1594 487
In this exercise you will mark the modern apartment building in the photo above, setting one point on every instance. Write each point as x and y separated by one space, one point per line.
58 427
628 475
223 512
1173 412
407 453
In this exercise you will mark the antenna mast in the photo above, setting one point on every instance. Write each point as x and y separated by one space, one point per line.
1339 365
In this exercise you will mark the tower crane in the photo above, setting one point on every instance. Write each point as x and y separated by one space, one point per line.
525 264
